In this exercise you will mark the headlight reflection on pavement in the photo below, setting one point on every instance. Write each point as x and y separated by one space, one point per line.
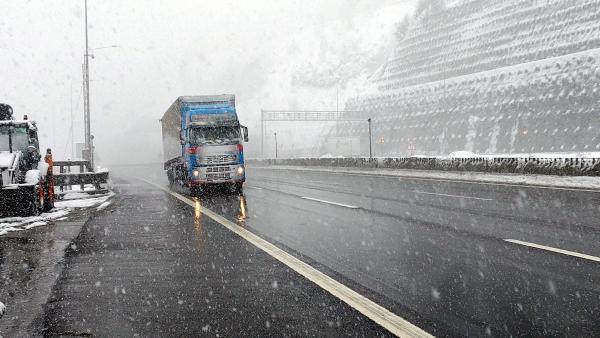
198 222
242 215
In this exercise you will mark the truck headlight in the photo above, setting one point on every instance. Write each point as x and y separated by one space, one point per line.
240 171
196 173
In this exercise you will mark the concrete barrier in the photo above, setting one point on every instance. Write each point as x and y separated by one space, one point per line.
513 165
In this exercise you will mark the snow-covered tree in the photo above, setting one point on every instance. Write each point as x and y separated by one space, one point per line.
402 27
429 7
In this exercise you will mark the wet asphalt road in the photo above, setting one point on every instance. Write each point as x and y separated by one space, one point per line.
431 251
151 266
29 267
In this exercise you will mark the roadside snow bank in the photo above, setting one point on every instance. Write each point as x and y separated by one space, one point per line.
23 223
60 212
80 202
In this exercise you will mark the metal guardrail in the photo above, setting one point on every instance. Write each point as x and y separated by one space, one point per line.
514 165
66 177
68 164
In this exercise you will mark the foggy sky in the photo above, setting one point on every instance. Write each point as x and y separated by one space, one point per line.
271 54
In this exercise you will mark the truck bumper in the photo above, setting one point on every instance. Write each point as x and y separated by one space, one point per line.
218 174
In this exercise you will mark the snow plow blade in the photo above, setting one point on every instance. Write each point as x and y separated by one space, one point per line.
18 201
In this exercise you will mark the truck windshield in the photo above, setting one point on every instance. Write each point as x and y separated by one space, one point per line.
20 141
215 135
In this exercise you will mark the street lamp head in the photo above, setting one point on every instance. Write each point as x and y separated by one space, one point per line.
105 47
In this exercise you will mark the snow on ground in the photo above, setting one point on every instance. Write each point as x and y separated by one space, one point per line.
554 155
331 156
69 202
462 154
60 212
103 206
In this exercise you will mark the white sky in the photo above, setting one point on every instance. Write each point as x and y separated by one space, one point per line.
271 54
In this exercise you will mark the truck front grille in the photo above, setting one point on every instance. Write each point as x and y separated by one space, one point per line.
218 159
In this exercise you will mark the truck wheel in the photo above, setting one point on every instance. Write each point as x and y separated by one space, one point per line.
239 187
170 176
195 191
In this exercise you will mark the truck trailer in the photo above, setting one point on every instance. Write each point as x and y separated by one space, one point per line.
203 142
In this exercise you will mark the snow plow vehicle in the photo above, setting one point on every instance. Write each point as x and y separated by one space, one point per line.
26 186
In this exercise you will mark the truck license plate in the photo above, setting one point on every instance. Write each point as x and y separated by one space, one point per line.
219 176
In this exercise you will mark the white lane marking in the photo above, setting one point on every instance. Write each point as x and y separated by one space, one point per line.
329 202
251 187
449 180
448 195
377 313
549 248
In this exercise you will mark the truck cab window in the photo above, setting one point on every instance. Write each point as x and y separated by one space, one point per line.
20 139
224 134
4 139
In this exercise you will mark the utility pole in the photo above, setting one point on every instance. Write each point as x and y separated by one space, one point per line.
72 131
370 146
337 94
262 134
337 98
275 145
86 96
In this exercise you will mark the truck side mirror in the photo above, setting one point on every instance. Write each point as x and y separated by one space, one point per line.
245 132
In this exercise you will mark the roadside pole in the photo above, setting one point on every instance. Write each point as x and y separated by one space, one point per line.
275 145
370 142
86 93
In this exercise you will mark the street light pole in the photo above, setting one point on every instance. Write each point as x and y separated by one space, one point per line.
370 146
275 145
86 95
262 134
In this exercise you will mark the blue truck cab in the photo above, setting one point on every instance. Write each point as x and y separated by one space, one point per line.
203 142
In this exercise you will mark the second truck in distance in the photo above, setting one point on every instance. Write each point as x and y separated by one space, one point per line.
202 142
